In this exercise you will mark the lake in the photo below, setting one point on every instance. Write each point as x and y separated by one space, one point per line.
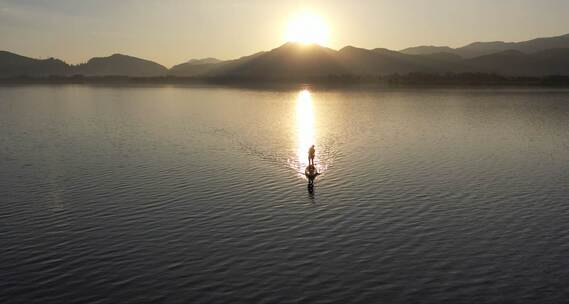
188 194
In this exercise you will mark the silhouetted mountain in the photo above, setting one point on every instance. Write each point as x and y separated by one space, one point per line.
477 49
516 63
510 60
426 50
209 69
13 65
302 61
381 61
293 60
538 57
288 60
208 60
194 67
120 65
444 57
485 48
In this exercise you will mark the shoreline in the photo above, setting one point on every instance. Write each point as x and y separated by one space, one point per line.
468 80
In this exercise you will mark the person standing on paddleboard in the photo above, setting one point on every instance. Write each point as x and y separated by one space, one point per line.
311 154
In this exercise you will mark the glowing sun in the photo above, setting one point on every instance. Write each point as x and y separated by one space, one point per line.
307 28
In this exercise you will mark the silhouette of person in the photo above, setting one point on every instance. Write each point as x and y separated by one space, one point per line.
311 153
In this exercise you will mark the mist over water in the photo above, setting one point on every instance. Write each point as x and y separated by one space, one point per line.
197 195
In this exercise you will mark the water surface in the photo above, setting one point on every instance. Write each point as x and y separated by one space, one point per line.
196 195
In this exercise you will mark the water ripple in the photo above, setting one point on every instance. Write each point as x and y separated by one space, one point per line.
177 195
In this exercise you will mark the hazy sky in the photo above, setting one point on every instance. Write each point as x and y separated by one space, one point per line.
173 31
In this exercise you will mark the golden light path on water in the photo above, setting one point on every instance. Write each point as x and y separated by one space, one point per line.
305 131
305 126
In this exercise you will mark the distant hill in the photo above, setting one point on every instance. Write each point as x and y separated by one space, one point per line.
288 60
120 65
293 60
383 61
478 49
516 63
302 61
378 61
444 57
208 60
538 57
193 67
427 49
14 65
536 45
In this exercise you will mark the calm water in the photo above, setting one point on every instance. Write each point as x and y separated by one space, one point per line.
195 195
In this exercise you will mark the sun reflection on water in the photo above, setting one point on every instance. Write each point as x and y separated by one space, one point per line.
305 131
305 126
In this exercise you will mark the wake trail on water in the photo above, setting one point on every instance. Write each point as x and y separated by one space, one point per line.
326 155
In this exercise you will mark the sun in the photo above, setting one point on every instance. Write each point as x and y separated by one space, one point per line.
307 28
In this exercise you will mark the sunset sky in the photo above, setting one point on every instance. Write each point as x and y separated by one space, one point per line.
174 31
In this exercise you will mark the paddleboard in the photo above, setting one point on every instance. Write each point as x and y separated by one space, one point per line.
311 172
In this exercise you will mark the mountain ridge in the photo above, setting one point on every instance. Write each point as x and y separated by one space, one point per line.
536 57
119 64
476 49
